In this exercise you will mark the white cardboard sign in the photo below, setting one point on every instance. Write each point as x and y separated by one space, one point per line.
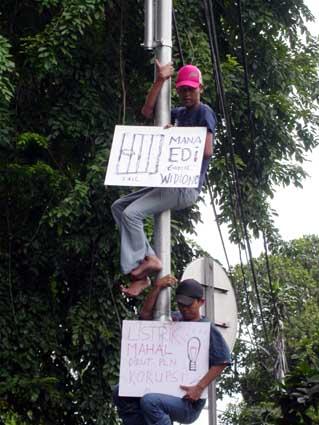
160 356
156 157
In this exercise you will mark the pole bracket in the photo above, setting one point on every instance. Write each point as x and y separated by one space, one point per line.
163 43
158 43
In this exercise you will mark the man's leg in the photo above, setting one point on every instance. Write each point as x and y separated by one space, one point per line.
120 204
129 212
162 409
135 246
128 409
118 207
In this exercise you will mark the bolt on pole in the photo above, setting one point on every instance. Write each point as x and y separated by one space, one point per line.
160 11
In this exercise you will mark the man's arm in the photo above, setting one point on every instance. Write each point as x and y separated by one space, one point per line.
194 392
146 312
163 73
208 148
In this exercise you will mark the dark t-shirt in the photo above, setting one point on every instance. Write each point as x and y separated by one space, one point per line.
218 349
201 116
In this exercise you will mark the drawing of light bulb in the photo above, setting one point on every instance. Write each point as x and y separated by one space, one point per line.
193 347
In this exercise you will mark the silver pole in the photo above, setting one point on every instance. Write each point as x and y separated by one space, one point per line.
210 313
163 52
149 24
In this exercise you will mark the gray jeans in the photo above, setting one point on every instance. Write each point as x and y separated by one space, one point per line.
130 211
156 409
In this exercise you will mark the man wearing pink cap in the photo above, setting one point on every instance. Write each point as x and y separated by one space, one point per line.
137 256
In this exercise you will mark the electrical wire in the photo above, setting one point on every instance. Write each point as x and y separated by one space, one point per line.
220 90
252 136
235 199
281 365
213 205
217 222
179 46
210 20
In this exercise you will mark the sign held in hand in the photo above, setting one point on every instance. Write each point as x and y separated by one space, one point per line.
156 157
158 357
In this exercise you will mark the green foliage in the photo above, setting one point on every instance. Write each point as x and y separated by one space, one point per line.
291 314
6 69
271 139
62 34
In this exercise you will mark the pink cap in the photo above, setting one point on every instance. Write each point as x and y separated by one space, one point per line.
189 75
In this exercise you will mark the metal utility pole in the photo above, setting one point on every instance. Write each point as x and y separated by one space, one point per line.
210 313
160 12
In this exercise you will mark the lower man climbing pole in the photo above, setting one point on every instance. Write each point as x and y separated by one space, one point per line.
155 408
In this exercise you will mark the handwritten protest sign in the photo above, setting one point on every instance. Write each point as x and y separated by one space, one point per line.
161 356
156 157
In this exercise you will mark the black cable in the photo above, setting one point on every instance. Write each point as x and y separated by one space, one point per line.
220 90
247 294
246 81
273 296
222 100
209 187
251 316
178 38
210 19
217 222
252 136
219 85
253 338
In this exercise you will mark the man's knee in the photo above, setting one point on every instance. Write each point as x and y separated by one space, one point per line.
149 402
131 215
116 207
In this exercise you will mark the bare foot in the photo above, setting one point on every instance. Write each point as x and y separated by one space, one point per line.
136 287
148 265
